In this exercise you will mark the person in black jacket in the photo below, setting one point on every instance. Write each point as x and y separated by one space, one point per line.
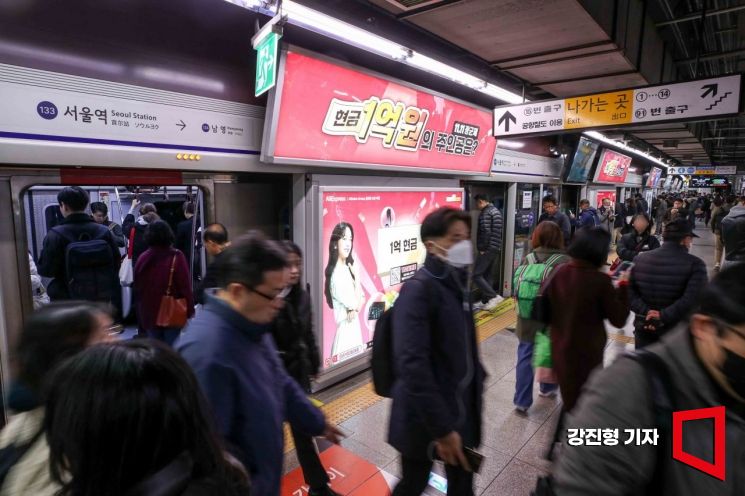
78 226
296 342
439 379
489 245
216 241
666 283
638 241
148 213
100 213
185 231
733 234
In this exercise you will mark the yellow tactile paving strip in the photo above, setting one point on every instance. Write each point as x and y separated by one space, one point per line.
363 397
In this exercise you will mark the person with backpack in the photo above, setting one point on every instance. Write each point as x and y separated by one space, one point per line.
438 376
100 213
638 241
80 256
588 216
700 364
547 254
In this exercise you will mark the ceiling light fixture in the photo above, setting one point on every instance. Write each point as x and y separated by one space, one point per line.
600 137
344 32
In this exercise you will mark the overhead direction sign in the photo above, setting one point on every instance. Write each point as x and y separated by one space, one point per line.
693 100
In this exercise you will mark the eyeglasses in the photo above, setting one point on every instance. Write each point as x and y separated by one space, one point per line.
279 296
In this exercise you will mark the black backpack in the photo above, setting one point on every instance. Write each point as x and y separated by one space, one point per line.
382 361
89 266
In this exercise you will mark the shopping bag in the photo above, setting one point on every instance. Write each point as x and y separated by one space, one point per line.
126 271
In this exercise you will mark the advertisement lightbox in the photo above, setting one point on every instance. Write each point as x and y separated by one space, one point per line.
326 113
371 246
613 167
654 177
581 165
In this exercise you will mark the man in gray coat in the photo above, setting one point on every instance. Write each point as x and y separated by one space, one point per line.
704 360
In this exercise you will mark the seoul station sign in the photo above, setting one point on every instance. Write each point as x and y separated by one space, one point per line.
698 100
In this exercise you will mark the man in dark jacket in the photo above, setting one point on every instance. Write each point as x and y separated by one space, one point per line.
216 241
588 216
551 212
705 364
230 348
185 231
489 245
733 234
77 226
665 284
437 394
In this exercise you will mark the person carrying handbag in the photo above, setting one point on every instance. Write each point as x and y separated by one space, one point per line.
163 286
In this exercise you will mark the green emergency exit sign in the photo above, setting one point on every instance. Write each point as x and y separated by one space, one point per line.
266 63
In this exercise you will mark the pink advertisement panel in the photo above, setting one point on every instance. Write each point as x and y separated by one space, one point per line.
331 113
612 168
370 246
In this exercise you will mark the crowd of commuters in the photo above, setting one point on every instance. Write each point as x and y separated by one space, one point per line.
199 410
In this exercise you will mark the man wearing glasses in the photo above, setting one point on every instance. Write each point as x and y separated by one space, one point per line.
230 348
699 365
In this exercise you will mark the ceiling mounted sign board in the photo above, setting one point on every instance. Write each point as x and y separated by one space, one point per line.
690 101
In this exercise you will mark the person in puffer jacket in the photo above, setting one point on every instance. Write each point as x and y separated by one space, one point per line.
733 234
489 245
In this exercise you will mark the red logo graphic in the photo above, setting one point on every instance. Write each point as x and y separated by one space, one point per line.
718 468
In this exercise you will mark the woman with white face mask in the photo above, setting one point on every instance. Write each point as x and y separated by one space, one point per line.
437 393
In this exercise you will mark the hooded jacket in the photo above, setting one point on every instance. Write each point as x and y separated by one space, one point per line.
251 394
489 236
733 234
619 397
588 218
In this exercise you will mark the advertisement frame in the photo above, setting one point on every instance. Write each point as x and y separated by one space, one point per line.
598 169
317 266
590 169
274 103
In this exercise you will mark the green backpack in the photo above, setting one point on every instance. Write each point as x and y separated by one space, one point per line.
527 282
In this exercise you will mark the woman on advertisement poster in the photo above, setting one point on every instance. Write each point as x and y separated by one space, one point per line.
344 291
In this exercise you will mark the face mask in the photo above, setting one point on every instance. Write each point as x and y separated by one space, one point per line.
460 254
734 371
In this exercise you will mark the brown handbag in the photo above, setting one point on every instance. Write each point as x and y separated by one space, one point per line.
172 312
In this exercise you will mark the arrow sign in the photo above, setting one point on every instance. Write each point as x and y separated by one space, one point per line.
181 124
710 89
506 118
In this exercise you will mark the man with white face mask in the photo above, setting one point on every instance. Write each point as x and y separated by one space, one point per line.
437 393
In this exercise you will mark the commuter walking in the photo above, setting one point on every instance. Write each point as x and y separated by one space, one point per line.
134 228
581 297
100 213
642 204
80 255
141 427
437 393
607 216
665 284
733 234
639 240
547 254
681 211
619 224
161 271
588 216
718 213
489 246
659 219
230 348
629 211
296 342
49 337
700 364
216 241
185 231
551 212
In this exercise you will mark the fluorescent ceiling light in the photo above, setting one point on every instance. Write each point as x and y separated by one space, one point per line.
512 144
332 27
600 137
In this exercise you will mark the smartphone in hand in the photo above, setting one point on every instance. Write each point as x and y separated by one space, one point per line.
475 459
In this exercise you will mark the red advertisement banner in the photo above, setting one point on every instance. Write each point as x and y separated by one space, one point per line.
330 113
612 168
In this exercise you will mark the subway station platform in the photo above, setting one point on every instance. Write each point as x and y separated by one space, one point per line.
514 444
